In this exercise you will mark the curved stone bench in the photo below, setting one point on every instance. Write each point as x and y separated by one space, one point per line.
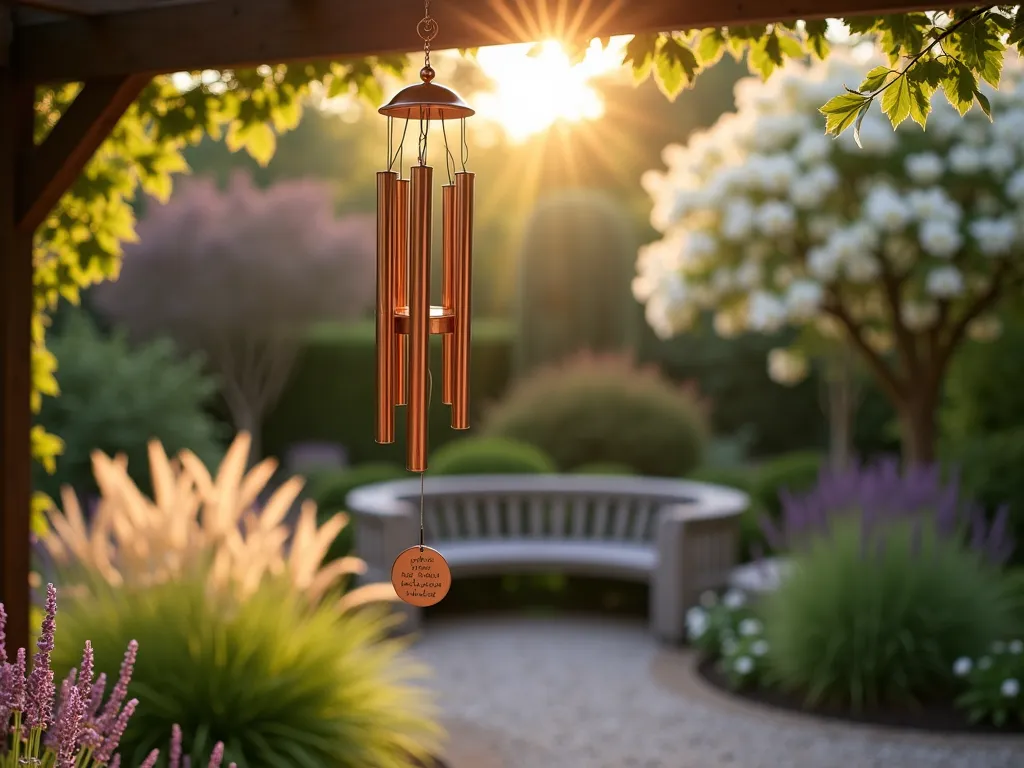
678 536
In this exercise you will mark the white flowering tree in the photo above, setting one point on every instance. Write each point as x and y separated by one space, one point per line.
901 247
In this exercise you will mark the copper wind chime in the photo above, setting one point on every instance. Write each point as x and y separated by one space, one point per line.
405 317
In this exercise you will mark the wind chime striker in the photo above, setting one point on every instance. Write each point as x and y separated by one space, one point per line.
405 317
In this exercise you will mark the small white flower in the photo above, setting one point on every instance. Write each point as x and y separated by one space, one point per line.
1000 159
962 667
1010 688
924 167
861 267
803 299
886 209
709 599
759 647
998 647
744 665
786 367
1015 187
984 663
823 263
729 646
945 282
1016 647
965 159
734 599
776 218
812 148
995 237
765 312
940 238
749 275
750 627
737 219
918 315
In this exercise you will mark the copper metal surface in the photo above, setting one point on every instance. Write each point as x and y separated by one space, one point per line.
385 412
441 321
421 576
402 288
447 288
464 189
419 309
427 101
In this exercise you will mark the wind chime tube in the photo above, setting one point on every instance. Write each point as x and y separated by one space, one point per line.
448 290
419 316
402 288
464 188
385 421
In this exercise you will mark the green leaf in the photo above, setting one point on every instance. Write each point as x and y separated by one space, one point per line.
981 49
711 46
1016 36
841 111
928 71
959 85
816 42
897 101
875 79
765 55
860 119
986 106
675 67
903 34
862 25
640 52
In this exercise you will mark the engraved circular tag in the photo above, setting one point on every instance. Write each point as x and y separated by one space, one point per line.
421 576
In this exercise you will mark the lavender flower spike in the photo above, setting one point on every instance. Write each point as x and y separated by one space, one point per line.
175 756
41 690
16 681
98 689
120 692
3 634
115 761
217 756
151 759
68 728
85 676
115 733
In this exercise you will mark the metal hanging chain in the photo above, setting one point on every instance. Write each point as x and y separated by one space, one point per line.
427 30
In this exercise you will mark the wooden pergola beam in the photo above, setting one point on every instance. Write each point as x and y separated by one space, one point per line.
55 164
220 34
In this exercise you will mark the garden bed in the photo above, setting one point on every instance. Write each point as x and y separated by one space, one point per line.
938 717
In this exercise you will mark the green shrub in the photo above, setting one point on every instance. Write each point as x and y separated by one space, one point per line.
489 456
278 683
992 467
572 233
794 472
116 398
604 409
604 468
862 628
330 488
331 392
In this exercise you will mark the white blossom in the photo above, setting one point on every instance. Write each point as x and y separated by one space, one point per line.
1010 688
1000 159
803 299
924 167
994 237
823 263
776 218
1015 186
786 366
862 267
734 599
945 282
962 667
1016 647
750 627
940 238
766 312
696 622
812 148
744 665
749 275
965 159
759 647
729 646
918 315
933 203
984 663
738 219
887 209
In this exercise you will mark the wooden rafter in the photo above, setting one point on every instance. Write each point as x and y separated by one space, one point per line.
55 164
233 33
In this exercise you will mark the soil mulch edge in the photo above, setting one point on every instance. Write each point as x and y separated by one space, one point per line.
679 671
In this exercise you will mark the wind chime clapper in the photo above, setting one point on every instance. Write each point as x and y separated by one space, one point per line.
405 317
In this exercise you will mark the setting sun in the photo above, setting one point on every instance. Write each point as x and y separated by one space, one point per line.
533 92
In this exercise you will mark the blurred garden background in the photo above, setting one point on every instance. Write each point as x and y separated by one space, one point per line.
641 308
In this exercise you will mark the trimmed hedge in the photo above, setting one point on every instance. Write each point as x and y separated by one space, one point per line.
604 468
331 392
490 456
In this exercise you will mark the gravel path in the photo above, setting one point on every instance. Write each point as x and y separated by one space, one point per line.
582 693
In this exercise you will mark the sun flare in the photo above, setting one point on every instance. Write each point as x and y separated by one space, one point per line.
533 92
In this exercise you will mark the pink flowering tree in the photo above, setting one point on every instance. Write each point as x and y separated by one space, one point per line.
238 275
897 245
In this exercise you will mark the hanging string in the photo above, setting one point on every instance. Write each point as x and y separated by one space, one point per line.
424 130
465 145
449 157
430 395
398 155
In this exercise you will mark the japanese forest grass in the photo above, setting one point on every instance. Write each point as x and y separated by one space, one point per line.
279 682
874 620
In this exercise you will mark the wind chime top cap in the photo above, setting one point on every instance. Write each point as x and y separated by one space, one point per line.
427 101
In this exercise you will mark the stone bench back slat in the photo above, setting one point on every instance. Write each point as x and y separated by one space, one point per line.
690 529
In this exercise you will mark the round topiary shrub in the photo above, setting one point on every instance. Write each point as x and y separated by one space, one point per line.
604 468
489 456
884 592
604 409
279 682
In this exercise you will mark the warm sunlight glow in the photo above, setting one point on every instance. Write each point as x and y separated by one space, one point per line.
533 92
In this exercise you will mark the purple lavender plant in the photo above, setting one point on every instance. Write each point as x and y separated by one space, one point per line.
880 494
